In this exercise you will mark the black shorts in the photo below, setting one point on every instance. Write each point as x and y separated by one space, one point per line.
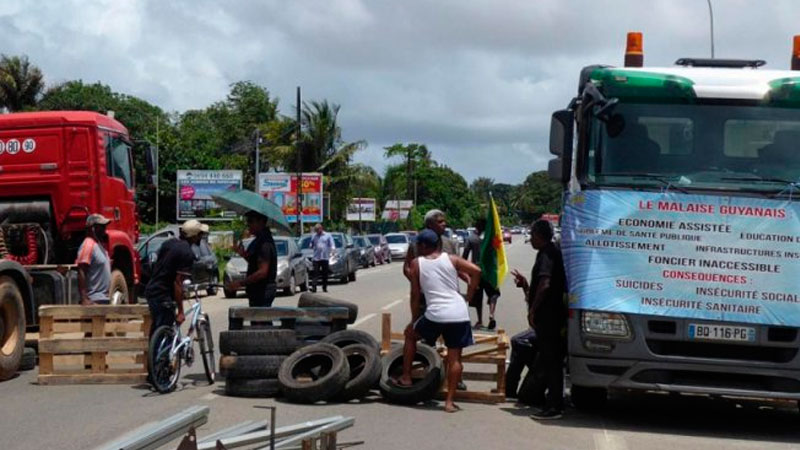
492 294
455 334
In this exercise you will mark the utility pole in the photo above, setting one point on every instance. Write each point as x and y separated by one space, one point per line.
258 160
299 201
158 180
711 17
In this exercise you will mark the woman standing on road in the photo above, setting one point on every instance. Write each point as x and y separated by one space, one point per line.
435 275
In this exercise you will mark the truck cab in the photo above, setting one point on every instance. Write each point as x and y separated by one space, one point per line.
681 227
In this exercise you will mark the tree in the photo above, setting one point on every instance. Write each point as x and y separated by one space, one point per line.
481 187
537 195
21 83
415 155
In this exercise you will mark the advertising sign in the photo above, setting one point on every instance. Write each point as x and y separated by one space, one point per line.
690 256
397 210
194 190
281 188
361 210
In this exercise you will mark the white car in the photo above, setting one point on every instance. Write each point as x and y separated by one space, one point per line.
398 244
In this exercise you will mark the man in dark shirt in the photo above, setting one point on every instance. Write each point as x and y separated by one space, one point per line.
262 263
547 314
164 292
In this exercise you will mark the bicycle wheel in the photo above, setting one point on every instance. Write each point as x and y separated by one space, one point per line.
207 347
164 367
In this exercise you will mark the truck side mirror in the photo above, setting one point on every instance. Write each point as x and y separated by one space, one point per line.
561 130
555 168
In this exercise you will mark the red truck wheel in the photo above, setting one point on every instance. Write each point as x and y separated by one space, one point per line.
12 339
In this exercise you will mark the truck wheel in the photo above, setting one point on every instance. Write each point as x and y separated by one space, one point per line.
28 361
588 398
12 328
118 292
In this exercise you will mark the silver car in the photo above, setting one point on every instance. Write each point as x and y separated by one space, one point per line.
343 262
292 267
398 244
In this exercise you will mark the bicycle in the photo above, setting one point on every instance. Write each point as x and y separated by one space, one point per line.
169 347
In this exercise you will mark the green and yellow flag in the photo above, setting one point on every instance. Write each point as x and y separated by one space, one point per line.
494 265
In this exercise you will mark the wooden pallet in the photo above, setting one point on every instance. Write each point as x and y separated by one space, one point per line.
489 349
93 344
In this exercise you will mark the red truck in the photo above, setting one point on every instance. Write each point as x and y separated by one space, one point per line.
56 168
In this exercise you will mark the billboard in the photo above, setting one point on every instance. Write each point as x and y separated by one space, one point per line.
195 187
687 256
361 210
397 210
281 188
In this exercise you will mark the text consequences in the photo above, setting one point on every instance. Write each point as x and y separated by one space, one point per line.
691 256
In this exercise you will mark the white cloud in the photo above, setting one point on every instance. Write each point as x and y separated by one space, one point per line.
476 81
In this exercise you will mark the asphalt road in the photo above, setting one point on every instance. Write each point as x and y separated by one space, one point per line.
80 417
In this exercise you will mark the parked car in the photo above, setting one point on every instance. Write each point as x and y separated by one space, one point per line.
343 262
398 244
292 274
462 236
507 235
366 256
412 235
382 253
205 272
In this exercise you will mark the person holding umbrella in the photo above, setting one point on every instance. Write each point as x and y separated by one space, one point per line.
261 255
262 263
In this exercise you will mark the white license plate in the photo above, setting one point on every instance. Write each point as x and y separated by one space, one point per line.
712 332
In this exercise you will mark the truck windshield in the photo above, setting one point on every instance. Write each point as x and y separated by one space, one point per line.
701 146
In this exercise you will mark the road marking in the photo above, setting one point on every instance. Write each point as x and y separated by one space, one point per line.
607 441
393 304
363 319
208 397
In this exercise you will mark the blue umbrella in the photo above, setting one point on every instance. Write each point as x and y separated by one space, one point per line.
244 201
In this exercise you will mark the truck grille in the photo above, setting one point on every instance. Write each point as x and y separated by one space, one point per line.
721 351
720 380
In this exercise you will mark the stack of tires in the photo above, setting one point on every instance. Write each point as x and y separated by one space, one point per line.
250 360
427 376
343 366
310 331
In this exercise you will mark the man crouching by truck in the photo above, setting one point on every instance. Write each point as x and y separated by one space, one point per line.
164 292
94 265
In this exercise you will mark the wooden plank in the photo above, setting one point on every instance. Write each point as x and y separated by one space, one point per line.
484 359
386 332
501 377
98 358
100 378
45 363
398 336
92 345
46 327
474 396
277 313
79 312
86 327
479 376
478 351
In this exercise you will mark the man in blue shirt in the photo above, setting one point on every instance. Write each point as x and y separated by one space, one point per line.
322 243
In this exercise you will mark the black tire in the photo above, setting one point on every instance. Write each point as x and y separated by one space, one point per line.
313 300
12 328
588 398
257 342
304 285
326 366
212 290
252 367
118 291
345 338
422 389
164 373
289 290
364 362
240 387
352 275
345 275
206 341
28 361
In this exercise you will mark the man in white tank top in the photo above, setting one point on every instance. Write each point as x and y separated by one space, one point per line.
435 275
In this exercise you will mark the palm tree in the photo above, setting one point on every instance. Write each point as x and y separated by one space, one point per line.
21 83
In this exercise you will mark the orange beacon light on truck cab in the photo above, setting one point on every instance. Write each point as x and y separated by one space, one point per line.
634 50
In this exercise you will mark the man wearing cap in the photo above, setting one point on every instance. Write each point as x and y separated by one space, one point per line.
262 263
94 265
164 292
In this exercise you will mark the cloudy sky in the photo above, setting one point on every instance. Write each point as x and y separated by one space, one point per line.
475 80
